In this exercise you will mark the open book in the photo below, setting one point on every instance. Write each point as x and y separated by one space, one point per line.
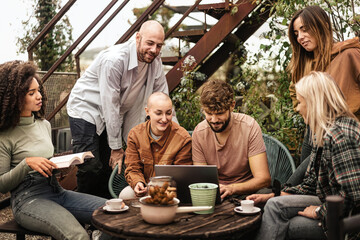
71 159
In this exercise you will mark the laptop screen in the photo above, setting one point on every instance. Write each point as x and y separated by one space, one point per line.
184 175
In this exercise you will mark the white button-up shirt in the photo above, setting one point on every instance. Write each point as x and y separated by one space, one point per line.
98 95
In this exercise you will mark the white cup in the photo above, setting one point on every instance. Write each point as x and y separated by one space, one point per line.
247 205
115 203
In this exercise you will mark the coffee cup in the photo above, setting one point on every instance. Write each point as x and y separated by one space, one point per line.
115 203
247 205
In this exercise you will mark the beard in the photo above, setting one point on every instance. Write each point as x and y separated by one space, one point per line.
142 57
141 53
222 128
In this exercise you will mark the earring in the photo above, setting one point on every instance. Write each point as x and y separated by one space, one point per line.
147 118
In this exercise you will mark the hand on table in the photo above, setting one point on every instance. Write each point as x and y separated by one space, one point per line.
140 190
116 158
260 199
309 212
41 165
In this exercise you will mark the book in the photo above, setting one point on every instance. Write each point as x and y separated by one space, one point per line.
71 159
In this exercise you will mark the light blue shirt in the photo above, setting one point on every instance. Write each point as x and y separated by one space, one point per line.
98 95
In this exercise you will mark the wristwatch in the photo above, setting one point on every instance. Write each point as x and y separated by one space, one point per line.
317 210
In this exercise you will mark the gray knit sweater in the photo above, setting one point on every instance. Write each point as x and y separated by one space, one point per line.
31 138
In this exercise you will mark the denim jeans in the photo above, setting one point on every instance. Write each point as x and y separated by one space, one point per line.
93 175
281 220
41 204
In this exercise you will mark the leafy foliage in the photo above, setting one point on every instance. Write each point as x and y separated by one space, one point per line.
55 43
266 87
185 98
163 15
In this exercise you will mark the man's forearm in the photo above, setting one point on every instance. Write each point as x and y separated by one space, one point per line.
250 186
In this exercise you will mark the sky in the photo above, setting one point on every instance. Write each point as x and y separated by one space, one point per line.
81 14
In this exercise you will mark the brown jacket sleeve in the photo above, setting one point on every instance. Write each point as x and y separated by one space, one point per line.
183 157
134 165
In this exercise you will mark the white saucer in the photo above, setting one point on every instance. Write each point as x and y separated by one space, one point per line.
239 210
106 208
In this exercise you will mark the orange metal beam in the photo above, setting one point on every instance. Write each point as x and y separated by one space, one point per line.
145 16
211 40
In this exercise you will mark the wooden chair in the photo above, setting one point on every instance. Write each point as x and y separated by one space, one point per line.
281 163
117 182
337 227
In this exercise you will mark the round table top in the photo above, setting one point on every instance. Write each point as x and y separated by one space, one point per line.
222 224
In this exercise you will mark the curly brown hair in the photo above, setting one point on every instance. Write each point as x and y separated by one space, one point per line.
15 80
216 96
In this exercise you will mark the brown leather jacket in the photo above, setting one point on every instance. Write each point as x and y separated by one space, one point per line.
345 69
143 152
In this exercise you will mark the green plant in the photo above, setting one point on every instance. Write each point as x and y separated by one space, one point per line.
163 15
55 43
264 81
185 98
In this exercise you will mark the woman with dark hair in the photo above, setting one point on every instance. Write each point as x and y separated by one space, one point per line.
314 49
38 202
334 169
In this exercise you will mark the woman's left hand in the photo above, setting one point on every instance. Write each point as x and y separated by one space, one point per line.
309 212
41 165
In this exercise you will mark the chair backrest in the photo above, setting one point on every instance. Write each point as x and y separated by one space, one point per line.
337 227
281 163
117 182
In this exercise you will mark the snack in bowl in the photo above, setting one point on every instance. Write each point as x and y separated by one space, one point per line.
160 195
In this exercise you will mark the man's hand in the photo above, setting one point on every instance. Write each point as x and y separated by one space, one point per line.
226 190
140 190
260 199
116 158
309 212
41 165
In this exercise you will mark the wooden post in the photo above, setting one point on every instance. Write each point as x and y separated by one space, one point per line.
334 218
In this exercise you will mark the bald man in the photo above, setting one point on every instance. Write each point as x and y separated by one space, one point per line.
159 140
108 100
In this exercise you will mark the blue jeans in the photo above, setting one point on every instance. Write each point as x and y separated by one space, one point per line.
93 175
41 204
281 220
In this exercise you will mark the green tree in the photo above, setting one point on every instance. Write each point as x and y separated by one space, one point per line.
266 87
163 15
185 98
55 43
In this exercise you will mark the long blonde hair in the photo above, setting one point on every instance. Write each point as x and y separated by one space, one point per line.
324 102
318 24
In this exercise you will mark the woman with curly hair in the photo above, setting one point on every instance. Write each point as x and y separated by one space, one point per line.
38 202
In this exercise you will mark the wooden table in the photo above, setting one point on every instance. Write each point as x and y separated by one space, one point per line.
224 223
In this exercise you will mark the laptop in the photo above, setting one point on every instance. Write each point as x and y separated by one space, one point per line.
184 175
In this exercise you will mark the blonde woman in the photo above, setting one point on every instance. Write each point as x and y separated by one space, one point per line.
334 167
